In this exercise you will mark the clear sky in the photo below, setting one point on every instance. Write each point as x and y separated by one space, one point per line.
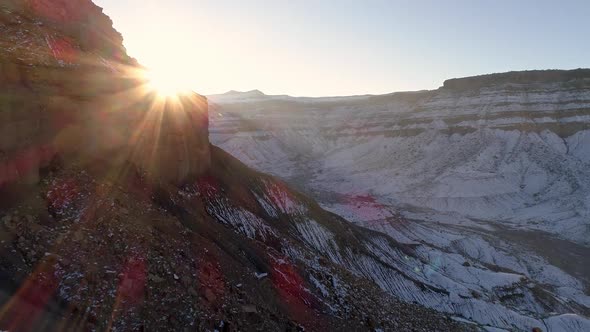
348 47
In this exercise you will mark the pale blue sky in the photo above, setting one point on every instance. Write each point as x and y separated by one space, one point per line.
343 47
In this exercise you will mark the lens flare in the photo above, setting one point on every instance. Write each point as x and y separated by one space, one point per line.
167 82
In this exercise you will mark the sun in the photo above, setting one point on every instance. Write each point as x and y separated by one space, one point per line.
167 82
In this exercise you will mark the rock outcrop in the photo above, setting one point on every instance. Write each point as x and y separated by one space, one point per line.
70 90
172 142
578 77
81 19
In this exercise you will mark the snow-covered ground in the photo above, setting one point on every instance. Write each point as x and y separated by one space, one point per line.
478 180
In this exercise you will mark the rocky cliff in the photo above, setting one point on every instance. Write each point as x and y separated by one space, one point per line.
577 77
69 89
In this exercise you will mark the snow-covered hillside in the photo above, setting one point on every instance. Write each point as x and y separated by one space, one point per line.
490 171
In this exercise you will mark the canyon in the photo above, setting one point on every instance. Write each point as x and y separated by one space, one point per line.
492 168
463 208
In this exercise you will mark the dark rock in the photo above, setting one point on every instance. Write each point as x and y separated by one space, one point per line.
516 77
210 296
249 308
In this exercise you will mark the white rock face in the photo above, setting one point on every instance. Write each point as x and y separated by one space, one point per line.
492 181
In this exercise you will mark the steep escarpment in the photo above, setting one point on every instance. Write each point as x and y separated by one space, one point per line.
81 20
577 78
69 88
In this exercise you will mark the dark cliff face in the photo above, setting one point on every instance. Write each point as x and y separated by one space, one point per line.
69 89
581 77
79 19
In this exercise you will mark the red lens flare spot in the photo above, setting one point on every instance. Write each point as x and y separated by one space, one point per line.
24 162
287 281
26 306
208 186
132 282
365 208
211 281
293 291
64 12
62 49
